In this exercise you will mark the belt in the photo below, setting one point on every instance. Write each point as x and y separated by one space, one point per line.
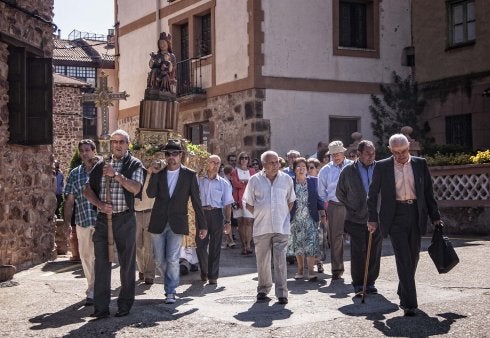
144 211
117 214
406 201
208 207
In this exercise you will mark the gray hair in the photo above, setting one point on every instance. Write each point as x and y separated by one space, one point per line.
293 152
122 133
398 140
267 154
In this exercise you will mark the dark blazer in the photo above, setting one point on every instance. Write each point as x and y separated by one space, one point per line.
315 203
383 184
173 210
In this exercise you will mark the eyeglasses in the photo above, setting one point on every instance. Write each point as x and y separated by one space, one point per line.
118 141
244 158
255 164
310 168
172 153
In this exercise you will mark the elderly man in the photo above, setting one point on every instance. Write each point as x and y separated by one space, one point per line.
125 175
404 184
352 190
269 196
291 156
216 200
172 186
327 186
85 215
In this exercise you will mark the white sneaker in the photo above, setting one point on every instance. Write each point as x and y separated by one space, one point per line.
170 299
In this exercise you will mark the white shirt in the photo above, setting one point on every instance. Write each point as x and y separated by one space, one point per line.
270 201
243 174
172 177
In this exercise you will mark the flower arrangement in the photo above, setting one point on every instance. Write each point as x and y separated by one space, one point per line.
481 157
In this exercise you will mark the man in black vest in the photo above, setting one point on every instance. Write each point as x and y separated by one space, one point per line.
171 187
125 175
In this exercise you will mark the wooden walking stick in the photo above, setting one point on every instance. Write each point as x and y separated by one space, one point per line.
110 236
366 267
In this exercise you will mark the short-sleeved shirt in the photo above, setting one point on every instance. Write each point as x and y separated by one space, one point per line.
85 214
118 199
270 201
215 192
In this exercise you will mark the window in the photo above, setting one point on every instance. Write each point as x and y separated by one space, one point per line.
204 35
352 24
341 128
86 74
458 130
30 98
461 22
356 28
90 120
198 133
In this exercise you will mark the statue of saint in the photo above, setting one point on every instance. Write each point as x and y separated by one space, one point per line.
162 64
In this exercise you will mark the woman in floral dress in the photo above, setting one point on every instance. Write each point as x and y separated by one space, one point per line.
307 211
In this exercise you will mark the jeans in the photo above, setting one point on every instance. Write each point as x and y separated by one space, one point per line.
166 250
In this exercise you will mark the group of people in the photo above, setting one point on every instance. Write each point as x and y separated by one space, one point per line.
279 211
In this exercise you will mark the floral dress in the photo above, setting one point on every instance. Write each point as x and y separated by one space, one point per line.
304 230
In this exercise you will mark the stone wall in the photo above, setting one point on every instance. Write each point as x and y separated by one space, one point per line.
27 199
236 123
67 124
129 124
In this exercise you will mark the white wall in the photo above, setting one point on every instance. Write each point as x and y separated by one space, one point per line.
300 119
231 40
134 10
298 42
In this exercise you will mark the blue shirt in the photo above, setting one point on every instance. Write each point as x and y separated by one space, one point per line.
59 183
290 172
328 177
215 192
366 173
85 213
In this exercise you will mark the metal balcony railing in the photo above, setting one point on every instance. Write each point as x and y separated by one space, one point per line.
189 77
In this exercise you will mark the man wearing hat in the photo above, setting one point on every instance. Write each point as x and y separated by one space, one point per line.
171 187
328 178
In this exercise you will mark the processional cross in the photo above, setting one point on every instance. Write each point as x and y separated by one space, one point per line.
103 97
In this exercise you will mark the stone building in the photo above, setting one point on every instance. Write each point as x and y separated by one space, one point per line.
27 199
280 74
451 41
68 119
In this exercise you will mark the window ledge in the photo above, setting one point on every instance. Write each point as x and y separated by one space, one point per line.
460 45
357 49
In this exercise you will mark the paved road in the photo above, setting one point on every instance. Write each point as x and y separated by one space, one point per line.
47 301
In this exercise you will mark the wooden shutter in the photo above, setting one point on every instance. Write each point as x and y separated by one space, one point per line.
17 95
39 113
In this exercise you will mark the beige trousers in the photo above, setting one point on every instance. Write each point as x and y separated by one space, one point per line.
145 263
87 256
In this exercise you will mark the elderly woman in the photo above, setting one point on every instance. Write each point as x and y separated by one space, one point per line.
307 211
239 180
314 167
256 165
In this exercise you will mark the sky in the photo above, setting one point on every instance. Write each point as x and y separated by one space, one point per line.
93 16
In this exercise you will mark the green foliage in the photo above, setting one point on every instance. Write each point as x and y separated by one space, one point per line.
400 105
430 149
75 161
439 159
481 157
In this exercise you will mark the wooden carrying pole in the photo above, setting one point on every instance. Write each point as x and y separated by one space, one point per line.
110 237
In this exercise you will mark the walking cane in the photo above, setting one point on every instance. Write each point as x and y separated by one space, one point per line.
110 237
366 267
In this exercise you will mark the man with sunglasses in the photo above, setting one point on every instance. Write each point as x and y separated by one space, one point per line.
405 186
216 198
172 186
125 176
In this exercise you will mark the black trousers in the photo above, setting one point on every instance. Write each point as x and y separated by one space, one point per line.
359 237
124 230
209 261
405 238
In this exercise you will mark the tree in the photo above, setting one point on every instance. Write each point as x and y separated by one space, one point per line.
400 104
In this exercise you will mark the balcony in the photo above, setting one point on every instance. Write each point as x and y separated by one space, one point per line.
190 77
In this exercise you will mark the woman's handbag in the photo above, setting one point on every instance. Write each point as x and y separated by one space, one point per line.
442 252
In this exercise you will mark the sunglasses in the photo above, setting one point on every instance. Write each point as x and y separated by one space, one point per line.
244 158
172 153
255 164
309 168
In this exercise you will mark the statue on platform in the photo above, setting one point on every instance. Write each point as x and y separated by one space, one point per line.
161 77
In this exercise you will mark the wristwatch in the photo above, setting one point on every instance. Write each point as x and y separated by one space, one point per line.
227 222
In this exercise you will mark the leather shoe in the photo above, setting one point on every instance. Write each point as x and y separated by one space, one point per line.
336 276
89 302
122 313
141 276
100 315
204 277
148 281
409 313
213 281
261 296
283 300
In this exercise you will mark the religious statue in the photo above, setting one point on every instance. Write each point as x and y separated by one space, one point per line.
161 77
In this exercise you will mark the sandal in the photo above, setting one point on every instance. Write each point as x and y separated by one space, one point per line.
312 277
298 276
319 267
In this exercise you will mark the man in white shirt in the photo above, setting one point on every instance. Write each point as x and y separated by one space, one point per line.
269 196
